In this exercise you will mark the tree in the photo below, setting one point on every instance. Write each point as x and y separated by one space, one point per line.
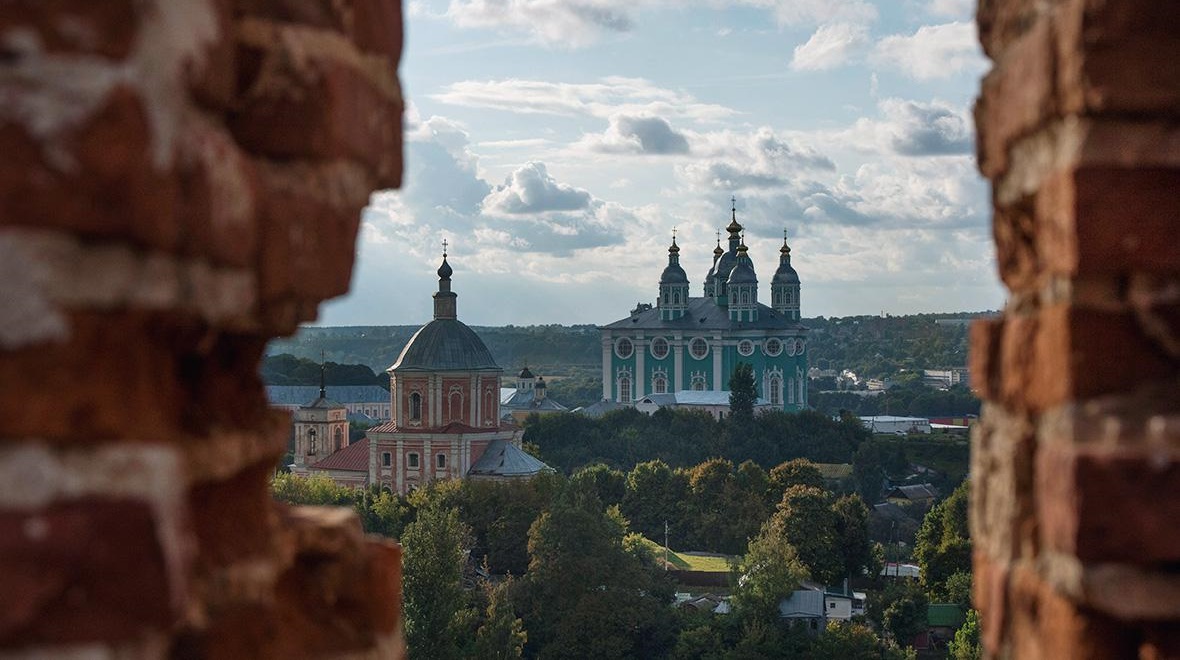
805 519
435 553
584 594
942 547
966 644
852 534
501 636
768 573
742 395
608 484
655 494
847 641
905 617
795 472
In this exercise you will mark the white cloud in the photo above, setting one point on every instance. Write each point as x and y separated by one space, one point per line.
912 128
816 12
761 159
530 189
829 47
934 51
609 96
628 134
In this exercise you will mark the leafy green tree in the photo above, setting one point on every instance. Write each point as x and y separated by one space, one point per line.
795 472
906 617
958 589
609 484
317 490
435 554
501 636
966 644
852 535
943 544
585 595
769 571
806 520
847 641
742 394
654 495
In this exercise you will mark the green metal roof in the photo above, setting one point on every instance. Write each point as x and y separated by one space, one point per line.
944 615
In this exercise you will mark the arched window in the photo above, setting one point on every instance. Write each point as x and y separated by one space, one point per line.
659 385
456 407
339 437
625 390
776 391
441 461
676 297
698 383
745 297
790 390
490 412
415 407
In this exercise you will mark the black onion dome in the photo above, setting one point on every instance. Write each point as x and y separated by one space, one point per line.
444 271
445 345
525 373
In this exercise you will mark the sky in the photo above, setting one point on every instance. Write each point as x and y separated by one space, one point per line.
557 144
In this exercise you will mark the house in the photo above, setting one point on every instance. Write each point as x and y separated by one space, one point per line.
910 495
527 398
942 620
806 606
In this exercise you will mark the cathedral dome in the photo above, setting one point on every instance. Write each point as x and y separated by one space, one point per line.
785 273
673 274
743 273
445 345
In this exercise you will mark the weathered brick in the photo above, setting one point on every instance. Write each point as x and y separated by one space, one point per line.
1045 624
212 77
1126 220
983 356
376 26
82 570
1015 232
325 109
75 26
989 595
1016 97
109 187
1090 500
384 577
234 519
219 195
1002 519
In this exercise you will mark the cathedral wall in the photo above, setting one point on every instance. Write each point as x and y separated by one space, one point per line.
182 180
1075 474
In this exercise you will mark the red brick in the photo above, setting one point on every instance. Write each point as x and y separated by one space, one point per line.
308 240
1126 220
1015 230
219 195
75 26
1003 21
1140 75
376 26
1016 97
112 188
1105 504
989 587
1045 624
983 357
82 570
234 519
213 77
313 13
384 578
328 111
1064 352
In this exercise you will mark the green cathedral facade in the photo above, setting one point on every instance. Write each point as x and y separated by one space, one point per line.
684 342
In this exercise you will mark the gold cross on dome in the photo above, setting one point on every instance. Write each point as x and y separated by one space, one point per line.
445 247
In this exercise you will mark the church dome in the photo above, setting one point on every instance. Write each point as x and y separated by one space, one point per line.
785 274
673 274
525 373
743 273
445 345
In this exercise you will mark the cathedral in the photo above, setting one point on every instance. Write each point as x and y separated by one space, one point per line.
688 343
445 413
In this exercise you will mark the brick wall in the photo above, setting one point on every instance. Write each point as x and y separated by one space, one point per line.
1075 465
181 180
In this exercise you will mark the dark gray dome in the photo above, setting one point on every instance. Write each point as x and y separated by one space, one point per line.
725 264
785 274
673 274
743 273
445 345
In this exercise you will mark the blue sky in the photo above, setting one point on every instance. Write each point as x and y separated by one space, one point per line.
556 145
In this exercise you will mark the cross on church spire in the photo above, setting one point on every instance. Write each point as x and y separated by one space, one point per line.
445 248
323 392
